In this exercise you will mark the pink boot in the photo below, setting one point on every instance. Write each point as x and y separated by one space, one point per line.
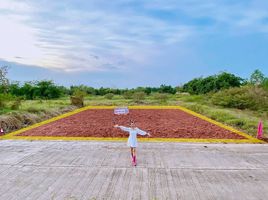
134 161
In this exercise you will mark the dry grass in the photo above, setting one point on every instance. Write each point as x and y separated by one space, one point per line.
19 119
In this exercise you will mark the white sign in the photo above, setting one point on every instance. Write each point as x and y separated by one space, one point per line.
121 111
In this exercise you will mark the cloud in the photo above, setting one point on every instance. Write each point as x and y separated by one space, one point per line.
15 6
62 36
232 16
98 35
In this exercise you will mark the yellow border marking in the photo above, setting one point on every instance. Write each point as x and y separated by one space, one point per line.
116 139
249 139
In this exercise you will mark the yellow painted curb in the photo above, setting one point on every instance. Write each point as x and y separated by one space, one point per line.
115 139
250 139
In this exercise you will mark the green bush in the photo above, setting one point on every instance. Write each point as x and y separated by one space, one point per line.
16 104
257 77
161 97
109 96
265 84
138 97
246 97
167 89
78 98
79 93
2 104
128 94
77 101
4 99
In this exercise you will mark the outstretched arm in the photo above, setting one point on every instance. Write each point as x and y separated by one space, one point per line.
141 132
123 128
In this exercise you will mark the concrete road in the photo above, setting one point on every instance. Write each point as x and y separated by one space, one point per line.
102 170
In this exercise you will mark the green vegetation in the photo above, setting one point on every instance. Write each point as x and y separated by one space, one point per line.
109 96
138 97
36 90
245 120
224 97
77 99
246 97
257 77
162 98
214 83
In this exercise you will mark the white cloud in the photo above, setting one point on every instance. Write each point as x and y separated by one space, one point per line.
99 35
69 36
15 6
17 41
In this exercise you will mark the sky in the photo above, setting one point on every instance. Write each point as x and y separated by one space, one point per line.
131 43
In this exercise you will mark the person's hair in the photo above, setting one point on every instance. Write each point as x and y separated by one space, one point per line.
132 122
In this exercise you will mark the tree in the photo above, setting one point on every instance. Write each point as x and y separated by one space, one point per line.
179 88
15 89
226 80
88 90
127 94
28 90
167 89
257 77
192 86
265 84
4 82
47 90
148 90
213 83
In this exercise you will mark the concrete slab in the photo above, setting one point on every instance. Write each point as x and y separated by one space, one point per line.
102 170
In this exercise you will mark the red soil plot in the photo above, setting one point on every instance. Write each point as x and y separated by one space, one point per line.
161 123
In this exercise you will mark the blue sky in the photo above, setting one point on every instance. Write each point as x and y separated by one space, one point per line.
130 43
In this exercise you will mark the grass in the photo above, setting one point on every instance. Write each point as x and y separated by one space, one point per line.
244 120
42 105
5 110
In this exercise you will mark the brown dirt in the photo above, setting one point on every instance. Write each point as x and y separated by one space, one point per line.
265 140
167 123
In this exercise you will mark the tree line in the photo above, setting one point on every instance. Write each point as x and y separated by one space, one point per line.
47 89
223 81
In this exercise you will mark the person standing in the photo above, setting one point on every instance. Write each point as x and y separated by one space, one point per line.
132 139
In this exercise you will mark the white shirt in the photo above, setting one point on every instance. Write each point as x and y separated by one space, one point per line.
132 139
